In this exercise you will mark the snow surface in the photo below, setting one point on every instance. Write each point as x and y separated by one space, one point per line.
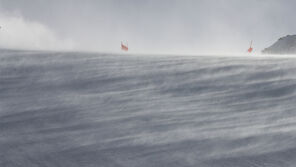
90 110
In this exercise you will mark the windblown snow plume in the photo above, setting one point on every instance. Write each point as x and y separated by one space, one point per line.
86 110
16 32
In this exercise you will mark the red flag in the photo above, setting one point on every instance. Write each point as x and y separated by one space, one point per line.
124 47
250 50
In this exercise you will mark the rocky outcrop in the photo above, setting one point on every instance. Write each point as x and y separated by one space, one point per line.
285 45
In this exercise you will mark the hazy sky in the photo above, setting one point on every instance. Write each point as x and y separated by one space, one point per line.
159 26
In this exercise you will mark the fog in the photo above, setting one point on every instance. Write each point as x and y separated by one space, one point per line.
150 26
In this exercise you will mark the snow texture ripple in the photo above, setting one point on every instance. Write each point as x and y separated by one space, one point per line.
89 110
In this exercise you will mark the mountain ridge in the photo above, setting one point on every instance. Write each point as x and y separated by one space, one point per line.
285 45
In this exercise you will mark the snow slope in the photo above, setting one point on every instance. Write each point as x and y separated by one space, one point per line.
285 45
89 110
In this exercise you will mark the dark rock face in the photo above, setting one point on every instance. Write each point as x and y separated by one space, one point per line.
285 45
